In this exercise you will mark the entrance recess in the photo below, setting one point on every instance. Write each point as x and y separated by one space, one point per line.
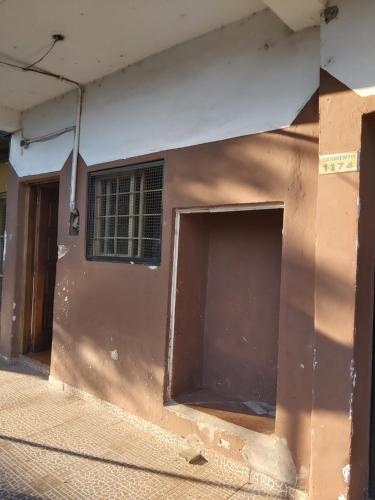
372 429
42 258
225 313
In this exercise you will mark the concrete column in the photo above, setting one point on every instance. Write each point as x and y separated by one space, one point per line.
337 220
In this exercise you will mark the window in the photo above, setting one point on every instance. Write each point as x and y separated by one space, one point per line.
125 214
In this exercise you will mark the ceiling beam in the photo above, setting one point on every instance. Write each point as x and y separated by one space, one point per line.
297 14
10 119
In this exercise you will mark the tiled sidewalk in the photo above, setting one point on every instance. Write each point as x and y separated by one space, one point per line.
55 446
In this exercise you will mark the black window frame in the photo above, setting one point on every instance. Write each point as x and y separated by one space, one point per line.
126 170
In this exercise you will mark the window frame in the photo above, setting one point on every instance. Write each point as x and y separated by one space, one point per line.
90 228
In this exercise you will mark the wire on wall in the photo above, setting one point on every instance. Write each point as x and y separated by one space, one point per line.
74 213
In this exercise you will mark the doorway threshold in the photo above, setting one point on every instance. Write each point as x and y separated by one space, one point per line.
230 410
40 361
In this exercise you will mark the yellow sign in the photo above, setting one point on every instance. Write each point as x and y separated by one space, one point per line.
338 163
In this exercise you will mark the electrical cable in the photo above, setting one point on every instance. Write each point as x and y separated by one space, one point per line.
40 71
77 127
55 40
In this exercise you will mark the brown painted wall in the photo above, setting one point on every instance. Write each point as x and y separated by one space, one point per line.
134 300
343 296
227 304
242 305
101 307
325 321
190 303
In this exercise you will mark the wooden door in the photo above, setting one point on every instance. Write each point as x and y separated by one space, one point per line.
44 265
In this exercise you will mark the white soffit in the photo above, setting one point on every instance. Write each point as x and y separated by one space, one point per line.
9 119
101 37
347 46
297 14
231 82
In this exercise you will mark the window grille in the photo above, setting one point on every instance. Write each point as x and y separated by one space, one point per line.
125 214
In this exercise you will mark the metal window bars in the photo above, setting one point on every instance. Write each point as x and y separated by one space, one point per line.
125 215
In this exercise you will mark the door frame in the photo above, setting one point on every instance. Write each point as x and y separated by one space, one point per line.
28 258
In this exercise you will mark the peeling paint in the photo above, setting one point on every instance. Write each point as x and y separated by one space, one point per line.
353 373
351 406
303 472
346 473
62 250
14 318
152 267
315 361
353 377
224 444
114 354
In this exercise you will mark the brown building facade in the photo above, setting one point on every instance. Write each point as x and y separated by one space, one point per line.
221 289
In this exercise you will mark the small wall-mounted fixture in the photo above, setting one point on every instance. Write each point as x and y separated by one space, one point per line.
74 222
330 13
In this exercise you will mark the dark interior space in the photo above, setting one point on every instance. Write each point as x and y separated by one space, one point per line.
4 157
4 146
42 257
372 424
227 315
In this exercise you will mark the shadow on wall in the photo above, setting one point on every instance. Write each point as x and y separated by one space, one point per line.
266 172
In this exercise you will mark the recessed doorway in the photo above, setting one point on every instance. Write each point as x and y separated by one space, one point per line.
41 270
225 314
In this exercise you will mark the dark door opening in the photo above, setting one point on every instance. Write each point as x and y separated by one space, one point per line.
372 427
43 220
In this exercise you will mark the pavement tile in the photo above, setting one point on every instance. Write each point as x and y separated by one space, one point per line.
255 492
12 486
55 446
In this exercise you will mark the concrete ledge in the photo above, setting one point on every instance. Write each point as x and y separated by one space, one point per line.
267 454
248 469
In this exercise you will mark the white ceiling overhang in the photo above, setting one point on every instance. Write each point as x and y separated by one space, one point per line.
9 119
104 36
297 14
